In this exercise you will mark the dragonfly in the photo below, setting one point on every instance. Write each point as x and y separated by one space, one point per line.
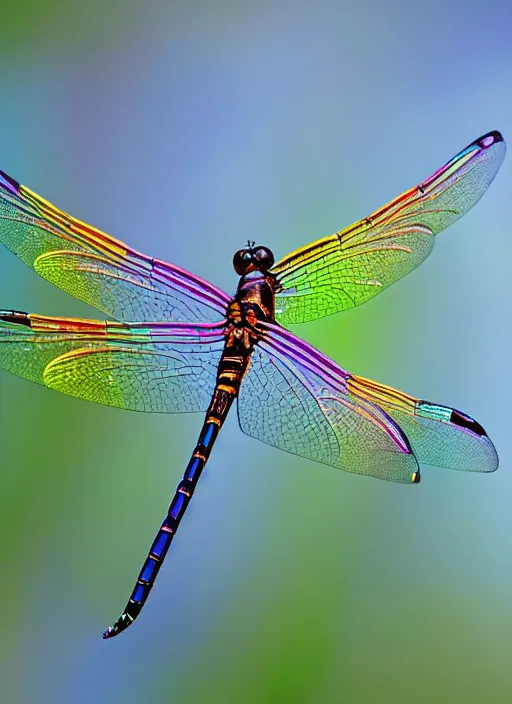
175 343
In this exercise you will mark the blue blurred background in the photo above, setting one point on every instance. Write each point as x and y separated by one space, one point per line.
185 128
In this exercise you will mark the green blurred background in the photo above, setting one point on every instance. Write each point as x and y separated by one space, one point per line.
185 128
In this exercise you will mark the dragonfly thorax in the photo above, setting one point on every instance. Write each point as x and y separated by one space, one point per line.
252 258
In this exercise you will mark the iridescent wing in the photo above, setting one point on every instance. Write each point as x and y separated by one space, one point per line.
353 265
158 368
439 435
97 268
296 399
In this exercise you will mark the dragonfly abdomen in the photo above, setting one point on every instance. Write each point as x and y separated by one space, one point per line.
231 369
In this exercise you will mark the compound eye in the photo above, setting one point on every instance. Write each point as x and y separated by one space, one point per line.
241 261
263 257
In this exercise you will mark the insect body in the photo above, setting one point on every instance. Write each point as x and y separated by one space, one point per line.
194 348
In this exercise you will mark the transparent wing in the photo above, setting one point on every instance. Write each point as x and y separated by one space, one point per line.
159 368
355 264
439 435
294 398
97 268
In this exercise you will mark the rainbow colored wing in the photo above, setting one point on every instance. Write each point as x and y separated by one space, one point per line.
97 268
439 435
350 267
297 399
157 368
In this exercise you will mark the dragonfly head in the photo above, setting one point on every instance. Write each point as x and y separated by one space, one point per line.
252 258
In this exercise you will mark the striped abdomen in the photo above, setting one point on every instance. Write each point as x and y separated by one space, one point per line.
231 371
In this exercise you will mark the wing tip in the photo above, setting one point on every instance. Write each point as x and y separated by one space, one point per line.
15 317
9 183
489 139
467 424
462 420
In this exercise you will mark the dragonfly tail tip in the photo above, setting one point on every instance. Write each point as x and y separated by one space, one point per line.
119 626
109 633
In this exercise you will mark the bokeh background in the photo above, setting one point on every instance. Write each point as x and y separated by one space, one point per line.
185 128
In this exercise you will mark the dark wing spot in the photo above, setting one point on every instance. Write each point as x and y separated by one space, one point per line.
463 421
15 316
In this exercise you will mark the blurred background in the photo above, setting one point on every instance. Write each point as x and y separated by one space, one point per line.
184 129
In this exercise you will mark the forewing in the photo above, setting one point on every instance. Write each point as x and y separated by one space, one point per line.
97 268
439 435
166 368
291 399
348 268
